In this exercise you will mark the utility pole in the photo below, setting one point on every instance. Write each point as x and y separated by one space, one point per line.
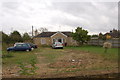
32 31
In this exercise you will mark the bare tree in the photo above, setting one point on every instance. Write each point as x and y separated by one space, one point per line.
42 29
38 31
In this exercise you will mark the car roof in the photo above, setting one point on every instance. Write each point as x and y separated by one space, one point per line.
19 43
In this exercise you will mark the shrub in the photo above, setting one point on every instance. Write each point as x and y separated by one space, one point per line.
107 45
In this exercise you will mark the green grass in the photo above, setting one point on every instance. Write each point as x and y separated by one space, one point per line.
95 49
45 55
12 58
112 53
51 54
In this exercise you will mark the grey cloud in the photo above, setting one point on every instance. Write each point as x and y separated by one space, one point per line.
10 5
90 12
94 16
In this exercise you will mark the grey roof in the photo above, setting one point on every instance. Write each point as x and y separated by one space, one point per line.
48 34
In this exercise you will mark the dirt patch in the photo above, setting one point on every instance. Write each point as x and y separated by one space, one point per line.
76 61
10 71
69 63
66 64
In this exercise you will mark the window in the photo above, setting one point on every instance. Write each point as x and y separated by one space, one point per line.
43 41
53 41
18 45
61 40
24 45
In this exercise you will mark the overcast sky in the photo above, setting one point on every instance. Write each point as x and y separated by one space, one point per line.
57 15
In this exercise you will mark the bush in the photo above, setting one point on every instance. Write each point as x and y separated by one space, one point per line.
5 46
107 45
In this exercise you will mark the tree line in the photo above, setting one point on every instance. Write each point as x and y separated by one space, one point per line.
80 35
14 37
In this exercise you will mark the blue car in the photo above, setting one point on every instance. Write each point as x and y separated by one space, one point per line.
20 47
32 45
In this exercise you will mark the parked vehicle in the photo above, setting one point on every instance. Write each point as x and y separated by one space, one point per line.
57 45
32 45
20 47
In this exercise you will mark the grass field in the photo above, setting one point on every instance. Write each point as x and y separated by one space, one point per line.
112 53
12 58
59 61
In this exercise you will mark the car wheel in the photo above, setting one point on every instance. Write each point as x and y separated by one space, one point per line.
27 50
32 48
8 50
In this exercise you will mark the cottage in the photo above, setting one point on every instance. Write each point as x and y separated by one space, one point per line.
48 38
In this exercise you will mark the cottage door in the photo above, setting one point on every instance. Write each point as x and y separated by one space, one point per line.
60 40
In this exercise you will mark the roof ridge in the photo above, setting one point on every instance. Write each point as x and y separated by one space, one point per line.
48 34
58 31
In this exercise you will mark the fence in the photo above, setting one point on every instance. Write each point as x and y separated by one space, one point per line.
115 42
